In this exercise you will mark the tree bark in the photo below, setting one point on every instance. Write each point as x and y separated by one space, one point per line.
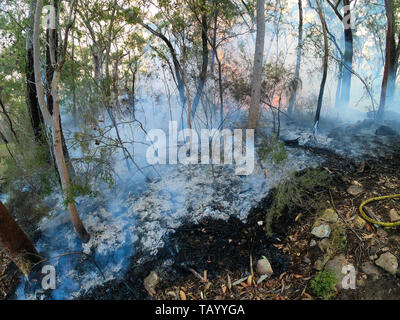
254 112
31 97
389 73
204 67
16 244
345 76
325 67
298 63
348 56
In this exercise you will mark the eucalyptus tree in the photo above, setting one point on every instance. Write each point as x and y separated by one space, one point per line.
297 80
254 111
57 48
325 61
392 54
348 52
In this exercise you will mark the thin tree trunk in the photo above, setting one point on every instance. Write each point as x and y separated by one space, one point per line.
348 56
31 97
10 124
203 73
133 94
325 67
339 87
61 163
298 63
254 112
16 244
52 120
390 54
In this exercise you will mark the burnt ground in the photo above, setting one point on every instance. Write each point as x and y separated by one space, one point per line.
289 251
205 260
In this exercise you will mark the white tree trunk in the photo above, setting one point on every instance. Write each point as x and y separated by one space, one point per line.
257 68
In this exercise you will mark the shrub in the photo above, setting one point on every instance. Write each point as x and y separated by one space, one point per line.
274 148
300 191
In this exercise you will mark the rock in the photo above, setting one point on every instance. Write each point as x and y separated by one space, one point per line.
264 267
381 233
373 257
336 266
330 216
371 270
355 190
359 223
290 140
322 231
318 265
388 262
394 215
150 283
313 243
324 244
385 131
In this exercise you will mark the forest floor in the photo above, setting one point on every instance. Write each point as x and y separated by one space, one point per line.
214 259
223 252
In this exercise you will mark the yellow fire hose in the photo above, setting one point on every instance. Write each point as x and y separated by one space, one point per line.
379 223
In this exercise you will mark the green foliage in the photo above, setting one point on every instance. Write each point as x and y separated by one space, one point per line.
27 208
79 190
274 148
132 15
323 285
338 238
300 191
30 169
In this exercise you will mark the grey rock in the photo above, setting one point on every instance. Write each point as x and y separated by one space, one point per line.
330 216
324 244
336 266
322 231
371 270
388 262
264 267
394 215
355 190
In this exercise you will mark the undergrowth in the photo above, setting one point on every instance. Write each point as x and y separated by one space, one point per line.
323 285
303 191
272 147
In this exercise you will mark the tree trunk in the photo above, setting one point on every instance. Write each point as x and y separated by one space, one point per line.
254 112
388 80
31 97
298 63
348 56
61 163
16 244
52 120
325 67
133 94
204 67
339 87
